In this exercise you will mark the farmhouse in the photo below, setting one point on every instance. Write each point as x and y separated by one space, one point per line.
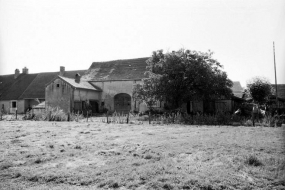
110 86
71 95
105 85
21 91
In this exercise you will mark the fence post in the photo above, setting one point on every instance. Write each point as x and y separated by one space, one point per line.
128 117
16 113
149 120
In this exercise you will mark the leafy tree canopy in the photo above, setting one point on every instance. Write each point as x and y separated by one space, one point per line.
180 76
259 89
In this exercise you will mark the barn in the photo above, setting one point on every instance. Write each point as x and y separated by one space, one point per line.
106 85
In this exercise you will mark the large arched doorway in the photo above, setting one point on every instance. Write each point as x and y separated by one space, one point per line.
122 103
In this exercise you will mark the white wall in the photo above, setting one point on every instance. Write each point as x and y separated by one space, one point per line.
82 95
111 88
8 106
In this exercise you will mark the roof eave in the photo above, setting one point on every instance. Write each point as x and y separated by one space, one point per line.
88 89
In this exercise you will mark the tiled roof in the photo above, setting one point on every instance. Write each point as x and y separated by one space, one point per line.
5 83
236 86
37 87
82 84
117 70
237 89
29 86
17 87
71 74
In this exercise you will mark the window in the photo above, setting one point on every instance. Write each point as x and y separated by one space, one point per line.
14 104
57 85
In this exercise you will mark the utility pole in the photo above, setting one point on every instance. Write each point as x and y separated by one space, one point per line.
277 104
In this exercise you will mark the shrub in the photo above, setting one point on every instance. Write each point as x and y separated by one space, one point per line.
75 116
51 114
272 121
253 161
223 118
55 114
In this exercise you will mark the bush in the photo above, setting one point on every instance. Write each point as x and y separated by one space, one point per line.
272 121
253 161
55 114
75 116
183 118
223 118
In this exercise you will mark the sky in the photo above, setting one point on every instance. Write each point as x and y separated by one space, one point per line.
43 35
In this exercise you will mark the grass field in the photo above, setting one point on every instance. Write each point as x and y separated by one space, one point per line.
95 155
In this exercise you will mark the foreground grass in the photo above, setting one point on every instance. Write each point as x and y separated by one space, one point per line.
54 155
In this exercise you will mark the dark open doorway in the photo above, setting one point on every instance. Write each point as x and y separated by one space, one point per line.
122 103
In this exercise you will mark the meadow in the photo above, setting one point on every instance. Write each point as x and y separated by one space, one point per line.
95 155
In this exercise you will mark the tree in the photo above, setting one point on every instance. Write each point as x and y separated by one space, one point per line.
145 92
180 76
259 89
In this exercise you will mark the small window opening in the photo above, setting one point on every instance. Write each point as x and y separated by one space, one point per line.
14 104
57 85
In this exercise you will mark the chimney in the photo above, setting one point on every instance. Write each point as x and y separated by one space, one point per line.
62 70
77 78
25 70
17 73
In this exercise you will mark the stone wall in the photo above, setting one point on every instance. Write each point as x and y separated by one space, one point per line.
59 94
82 95
113 87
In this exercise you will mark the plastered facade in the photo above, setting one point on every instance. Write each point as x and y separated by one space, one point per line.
20 105
114 87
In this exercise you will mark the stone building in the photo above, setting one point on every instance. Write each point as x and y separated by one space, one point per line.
71 95
116 79
105 85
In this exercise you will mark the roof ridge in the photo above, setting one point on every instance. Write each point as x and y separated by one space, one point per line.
28 86
120 60
46 72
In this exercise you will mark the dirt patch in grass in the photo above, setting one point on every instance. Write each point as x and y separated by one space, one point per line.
94 155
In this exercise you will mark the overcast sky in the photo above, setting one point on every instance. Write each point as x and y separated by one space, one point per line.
46 34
